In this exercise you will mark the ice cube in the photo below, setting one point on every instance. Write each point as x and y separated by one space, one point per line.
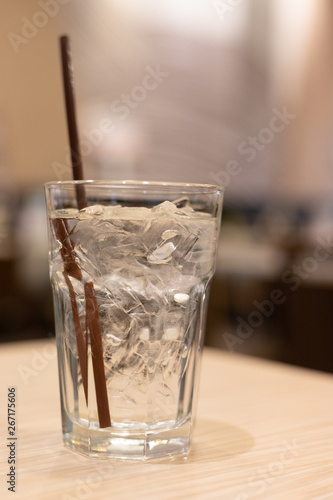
144 334
166 206
162 254
67 212
168 234
181 298
93 210
171 333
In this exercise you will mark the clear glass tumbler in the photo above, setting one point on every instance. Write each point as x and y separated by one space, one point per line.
130 267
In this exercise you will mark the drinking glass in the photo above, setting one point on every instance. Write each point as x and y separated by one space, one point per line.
130 273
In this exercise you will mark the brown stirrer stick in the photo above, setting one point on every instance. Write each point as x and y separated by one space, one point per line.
94 327
71 267
67 73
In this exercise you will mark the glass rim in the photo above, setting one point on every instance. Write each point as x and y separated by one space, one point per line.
184 187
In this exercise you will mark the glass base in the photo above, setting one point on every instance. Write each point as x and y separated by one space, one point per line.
139 446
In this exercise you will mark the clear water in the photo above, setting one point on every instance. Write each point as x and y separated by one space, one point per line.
150 269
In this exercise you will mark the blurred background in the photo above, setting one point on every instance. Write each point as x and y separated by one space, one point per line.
231 92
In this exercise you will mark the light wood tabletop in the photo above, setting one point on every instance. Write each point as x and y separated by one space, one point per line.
263 431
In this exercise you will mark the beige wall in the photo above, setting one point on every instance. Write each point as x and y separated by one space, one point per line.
31 105
303 77
207 102
32 113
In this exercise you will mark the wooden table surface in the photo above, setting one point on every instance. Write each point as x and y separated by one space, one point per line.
263 431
